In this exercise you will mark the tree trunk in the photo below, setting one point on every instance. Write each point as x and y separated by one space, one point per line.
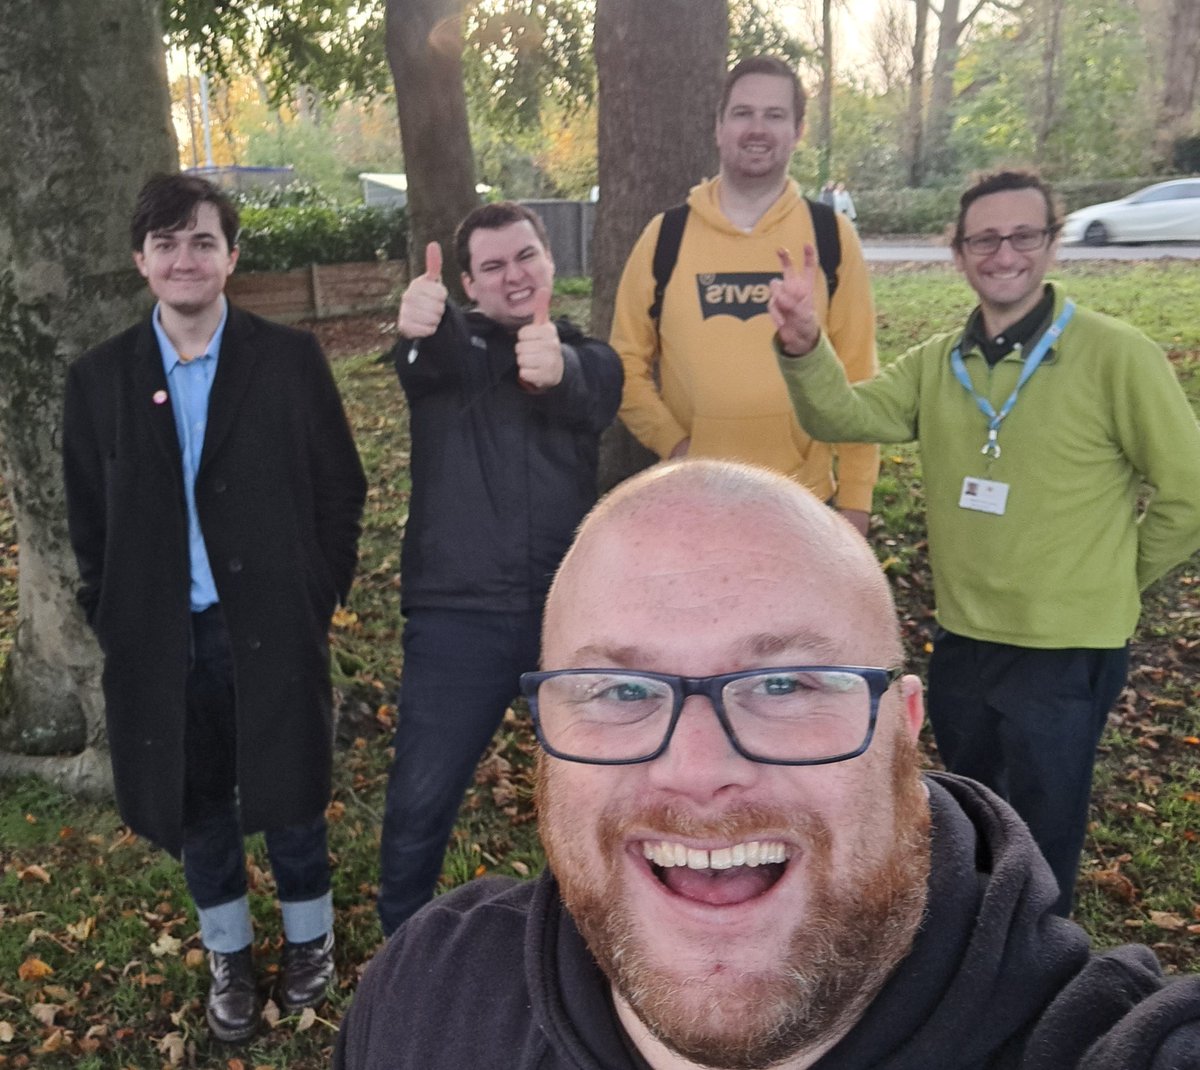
916 95
1181 74
659 67
941 92
1051 47
938 154
424 48
87 141
825 101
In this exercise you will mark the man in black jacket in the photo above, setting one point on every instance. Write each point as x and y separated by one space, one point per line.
507 410
213 497
746 867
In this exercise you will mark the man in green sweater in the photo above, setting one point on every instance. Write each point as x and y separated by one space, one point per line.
1038 423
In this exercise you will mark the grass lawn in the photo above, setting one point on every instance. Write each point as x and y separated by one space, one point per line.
100 962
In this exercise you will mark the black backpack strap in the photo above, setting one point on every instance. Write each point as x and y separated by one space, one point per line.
829 242
666 252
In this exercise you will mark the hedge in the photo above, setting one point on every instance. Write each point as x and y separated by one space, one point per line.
281 236
290 236
930 210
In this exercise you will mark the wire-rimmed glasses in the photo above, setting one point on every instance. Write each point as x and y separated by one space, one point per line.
1022 240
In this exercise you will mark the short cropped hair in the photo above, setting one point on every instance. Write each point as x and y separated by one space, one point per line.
494 217
773 66
169 201
1002 182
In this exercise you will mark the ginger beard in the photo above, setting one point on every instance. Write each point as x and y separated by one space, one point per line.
836 958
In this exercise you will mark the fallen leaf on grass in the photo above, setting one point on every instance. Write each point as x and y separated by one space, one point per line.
6 1033
172 1046
83 928
194 959
34 969
1167 920
270 1013
165 945
255 876
344 618
307 1019
52 1043
1115 883
126 838
386 715
33 873
45 1012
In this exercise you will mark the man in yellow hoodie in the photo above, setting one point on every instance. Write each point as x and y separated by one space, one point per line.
721 393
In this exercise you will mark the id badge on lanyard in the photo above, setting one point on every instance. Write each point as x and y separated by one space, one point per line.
987 495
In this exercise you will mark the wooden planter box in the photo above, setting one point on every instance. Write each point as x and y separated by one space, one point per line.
320 291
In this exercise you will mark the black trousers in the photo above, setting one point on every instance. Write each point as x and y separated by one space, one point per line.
1026 723
462 669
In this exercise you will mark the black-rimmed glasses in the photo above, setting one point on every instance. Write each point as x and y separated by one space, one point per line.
1024 240
790 715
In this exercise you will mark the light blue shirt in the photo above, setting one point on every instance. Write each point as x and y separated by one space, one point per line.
189 384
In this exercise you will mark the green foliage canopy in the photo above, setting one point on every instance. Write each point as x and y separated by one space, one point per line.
333 47
1104 116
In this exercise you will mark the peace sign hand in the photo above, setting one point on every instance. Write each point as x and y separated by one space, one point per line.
792 306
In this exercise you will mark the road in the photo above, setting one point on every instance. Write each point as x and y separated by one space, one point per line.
933 252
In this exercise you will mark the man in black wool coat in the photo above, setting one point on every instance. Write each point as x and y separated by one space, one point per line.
214 497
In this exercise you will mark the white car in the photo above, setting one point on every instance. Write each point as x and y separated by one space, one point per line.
1166 211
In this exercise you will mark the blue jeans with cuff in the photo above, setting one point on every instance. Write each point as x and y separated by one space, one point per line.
214 859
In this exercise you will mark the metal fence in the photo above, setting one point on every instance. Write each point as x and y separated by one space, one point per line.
569 228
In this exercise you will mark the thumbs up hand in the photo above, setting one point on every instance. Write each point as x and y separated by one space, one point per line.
791 305
539 352
424 302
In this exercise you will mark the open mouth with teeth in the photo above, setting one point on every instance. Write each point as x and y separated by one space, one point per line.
723 876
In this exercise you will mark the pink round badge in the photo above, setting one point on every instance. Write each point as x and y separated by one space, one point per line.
160 397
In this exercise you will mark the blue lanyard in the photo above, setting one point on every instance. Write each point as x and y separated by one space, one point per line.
991 448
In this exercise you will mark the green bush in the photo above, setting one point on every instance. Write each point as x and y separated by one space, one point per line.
279 238
1081 193
906 211
1185 154
930 210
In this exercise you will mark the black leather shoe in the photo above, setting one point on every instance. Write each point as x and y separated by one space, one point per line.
232 1007
307 971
